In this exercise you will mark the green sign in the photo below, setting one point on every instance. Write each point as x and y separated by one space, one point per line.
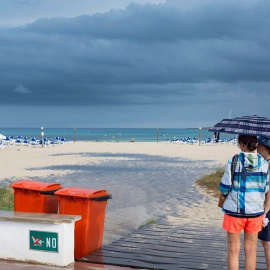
43 241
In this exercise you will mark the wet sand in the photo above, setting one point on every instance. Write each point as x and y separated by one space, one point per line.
146 180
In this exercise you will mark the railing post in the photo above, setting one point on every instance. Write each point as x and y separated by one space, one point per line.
200 129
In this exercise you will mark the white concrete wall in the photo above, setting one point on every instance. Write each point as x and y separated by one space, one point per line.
14 242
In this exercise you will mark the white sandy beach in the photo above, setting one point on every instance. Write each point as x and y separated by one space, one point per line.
99 165
15 161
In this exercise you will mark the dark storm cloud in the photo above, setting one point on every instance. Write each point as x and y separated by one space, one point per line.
142 23
145 54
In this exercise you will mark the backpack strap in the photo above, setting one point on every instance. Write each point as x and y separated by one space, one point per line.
233 166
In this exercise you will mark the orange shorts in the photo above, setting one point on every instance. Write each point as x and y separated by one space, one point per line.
236 224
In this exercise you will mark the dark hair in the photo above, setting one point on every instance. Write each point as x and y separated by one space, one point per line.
267 148
249 141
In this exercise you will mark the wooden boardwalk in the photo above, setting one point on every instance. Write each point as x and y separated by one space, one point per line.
165 246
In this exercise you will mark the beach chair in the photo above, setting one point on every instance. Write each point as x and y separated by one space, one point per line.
6 141
210 141
11 142
193 142
2 146
47 143
33 141
63 140
18 142
234 141
25 142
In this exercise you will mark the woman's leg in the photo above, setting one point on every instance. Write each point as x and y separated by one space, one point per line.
233 250
266 246
250 248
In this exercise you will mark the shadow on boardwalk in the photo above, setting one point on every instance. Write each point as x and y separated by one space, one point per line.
165 246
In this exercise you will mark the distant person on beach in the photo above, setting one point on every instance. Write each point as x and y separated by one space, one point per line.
244 205
264 235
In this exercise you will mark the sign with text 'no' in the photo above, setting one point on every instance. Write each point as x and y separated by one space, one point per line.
43 241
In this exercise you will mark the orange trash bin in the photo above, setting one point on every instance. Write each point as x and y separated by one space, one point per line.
90 204
35 196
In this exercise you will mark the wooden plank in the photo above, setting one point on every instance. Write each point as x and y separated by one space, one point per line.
164 266
160 260
182 249
179 234
162 246
170 242
145 238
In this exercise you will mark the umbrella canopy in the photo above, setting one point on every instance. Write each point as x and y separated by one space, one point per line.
2 137
247 125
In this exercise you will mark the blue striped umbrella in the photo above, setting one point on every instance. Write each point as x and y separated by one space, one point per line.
247 125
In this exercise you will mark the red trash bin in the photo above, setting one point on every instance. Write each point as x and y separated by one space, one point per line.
35 196
90 204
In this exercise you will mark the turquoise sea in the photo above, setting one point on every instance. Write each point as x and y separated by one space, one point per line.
111 134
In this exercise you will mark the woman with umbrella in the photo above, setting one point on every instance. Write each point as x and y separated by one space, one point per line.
244 205
264 235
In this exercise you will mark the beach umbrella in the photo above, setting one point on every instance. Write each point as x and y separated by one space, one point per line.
247 125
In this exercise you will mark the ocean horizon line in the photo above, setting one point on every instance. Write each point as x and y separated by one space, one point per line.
103 127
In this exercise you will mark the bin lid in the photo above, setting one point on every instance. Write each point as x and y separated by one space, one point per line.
81 192
35 185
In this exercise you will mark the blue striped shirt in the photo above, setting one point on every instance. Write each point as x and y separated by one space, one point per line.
250 183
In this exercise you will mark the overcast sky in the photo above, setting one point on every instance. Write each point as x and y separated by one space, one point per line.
145 63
